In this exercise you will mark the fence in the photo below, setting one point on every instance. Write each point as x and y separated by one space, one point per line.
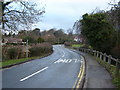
103 56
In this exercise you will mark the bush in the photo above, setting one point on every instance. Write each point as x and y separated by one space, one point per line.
116 52
98 31
40 49
40 40
67 44
12 53
30 39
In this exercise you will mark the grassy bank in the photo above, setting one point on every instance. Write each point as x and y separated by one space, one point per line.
112 70
16 61
78 45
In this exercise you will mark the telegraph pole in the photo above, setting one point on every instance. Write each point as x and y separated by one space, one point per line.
26 46
27 49
1 14
117 23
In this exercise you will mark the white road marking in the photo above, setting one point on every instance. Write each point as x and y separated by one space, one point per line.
59 60
53 49
76 60
67 60
33 74
70 61
63 54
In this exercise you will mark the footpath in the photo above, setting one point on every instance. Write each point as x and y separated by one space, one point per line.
96 75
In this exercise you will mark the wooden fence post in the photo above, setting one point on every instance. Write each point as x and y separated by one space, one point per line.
86 50
117 67
104 57
109 59
82 50
94 52
90 51
100 55
97 53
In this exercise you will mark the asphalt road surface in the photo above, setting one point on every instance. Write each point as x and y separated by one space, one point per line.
59 70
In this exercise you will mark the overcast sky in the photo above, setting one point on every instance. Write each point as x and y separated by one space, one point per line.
63 13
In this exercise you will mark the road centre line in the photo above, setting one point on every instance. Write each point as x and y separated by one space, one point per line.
60 58
63 54
33 74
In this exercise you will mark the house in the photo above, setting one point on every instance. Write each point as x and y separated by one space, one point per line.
12 40
79 38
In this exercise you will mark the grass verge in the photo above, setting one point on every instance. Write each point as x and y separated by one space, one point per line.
81 45
78 45
112 70
17 61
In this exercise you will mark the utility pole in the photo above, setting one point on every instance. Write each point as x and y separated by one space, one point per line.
27 49
26 46
1 14
117 23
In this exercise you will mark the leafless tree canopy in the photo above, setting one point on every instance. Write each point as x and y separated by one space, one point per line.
77 26
114 14
20 14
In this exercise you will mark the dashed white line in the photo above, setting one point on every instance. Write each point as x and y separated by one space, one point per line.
33 74
63 54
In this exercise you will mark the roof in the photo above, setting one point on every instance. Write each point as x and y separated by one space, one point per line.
13 40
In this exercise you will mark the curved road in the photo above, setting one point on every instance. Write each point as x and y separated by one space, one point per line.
59 70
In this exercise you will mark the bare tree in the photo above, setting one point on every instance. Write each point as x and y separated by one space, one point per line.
77 27
114 14
114 18
70 31
20 14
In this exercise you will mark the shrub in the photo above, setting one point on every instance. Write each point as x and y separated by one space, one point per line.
67 44
98 31
116 52
12 53
30 39
40 40
40 49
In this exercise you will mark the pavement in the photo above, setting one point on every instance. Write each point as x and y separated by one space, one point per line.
58 70
96 75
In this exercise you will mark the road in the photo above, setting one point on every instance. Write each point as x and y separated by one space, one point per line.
59 70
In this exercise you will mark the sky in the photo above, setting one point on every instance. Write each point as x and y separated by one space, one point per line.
63 13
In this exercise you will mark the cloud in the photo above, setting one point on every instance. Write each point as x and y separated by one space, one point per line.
63 13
